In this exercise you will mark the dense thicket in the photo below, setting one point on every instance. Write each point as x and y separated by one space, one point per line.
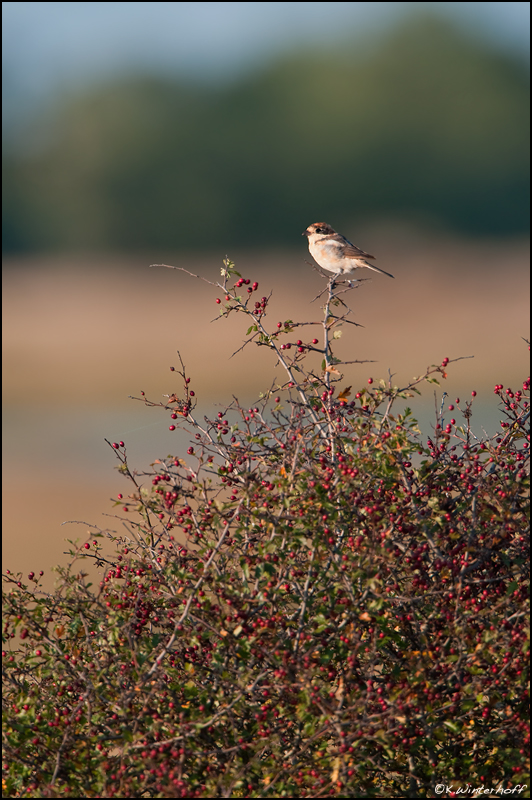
313 601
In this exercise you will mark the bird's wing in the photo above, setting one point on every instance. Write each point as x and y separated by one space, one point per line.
350 249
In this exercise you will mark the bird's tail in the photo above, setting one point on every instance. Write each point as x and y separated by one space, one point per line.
376 269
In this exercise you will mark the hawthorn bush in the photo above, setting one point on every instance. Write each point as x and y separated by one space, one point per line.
316 602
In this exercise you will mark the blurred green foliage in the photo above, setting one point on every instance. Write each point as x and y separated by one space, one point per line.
427 124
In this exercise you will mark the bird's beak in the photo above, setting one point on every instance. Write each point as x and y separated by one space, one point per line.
305 233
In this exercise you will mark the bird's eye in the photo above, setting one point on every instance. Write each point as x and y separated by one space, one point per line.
319 230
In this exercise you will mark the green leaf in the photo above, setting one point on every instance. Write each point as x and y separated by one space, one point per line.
320 623
190 689
452 726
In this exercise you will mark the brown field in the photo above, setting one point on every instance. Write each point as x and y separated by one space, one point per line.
82 334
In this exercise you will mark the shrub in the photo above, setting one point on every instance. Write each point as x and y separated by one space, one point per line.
316 602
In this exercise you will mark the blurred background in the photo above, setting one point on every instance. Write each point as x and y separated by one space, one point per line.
177 133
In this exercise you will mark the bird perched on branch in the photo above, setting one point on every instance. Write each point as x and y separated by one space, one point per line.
335 253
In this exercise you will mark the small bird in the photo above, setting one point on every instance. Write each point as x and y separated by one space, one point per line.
334 252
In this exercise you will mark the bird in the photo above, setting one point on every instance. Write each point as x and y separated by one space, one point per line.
335 253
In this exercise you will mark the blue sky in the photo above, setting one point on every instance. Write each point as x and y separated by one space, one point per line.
50 47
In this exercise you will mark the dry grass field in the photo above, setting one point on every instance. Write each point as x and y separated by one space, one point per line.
82 334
